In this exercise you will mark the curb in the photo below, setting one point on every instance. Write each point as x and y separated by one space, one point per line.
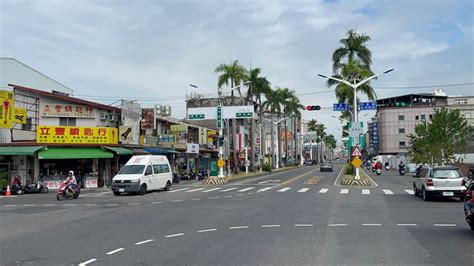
215 181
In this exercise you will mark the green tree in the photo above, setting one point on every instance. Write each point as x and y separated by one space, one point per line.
285 96
273 104
293 108
330 142
320 130
232 75
438 139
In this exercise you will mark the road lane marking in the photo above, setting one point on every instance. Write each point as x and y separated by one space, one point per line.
303 190
10 205
336 225
134 203
114 251
410 191
70 204
284 189
365 192
112 204
296 178
196 189
31 205
212 189
250 193
196 199
387 191
49 205
323 190
213 197
87 262
263 182
91 204
207 230
371 224
240 194
176 190
174 235
144 242
229 189
228 196
264 189
239 227
177 200
246 189
406 224
344 191
304 225
157 202
445 225
270 225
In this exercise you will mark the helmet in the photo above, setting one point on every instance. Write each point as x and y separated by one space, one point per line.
71 173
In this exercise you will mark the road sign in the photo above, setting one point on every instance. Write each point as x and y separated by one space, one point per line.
219 117
340 107
356 162
197 117
220 163
368 106
244 115
356 152
355 131
257 140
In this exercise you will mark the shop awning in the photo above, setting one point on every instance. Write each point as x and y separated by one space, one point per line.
159 151
74 153
137 151
119 150
20 150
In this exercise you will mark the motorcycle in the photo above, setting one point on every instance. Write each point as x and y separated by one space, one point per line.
65 193
39 187
387 167
378 171
176 178
469 214
17 189
402 171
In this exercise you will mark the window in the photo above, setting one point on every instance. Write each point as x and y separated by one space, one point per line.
401 118
460 101
431 117
423 117
466 115
156 169
401 130
148 170
402 144
67 121
26 126
417 118
132 170
165 168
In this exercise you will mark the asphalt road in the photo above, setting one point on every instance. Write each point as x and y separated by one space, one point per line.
297 217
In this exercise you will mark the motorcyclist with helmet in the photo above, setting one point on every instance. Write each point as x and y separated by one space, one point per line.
71 181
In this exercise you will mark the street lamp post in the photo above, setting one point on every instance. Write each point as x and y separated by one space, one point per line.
354 86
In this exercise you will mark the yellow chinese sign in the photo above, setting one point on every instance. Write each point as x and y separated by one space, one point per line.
7 110
20 116
179 128
67 110
72 135
211 134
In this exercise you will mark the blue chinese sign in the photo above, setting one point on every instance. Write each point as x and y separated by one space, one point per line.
368 106
340 107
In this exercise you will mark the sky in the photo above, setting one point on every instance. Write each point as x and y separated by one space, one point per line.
152 50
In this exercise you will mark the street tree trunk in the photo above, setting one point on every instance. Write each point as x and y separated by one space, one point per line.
286 142
272 147
262 134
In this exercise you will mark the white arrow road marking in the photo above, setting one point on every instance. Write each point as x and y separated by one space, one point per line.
365 192
264 189
323 190
344 191
196 189
212 189
284 189
303 190
114 251
87 262
176 190
387 191
410 191
246 189
144 242
229 189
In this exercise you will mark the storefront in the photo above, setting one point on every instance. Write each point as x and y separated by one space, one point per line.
18 160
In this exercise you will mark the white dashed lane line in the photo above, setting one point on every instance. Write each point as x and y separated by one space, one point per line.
303 190
228 196
409 191
387 191
445 225
284 189
175 235
134 203
112 204
239 227
114 251
304 225
176 190
264 189
406 224
195 199
336 225
177 200
144 242
240 194
344 191
91 204
212 189
270 225
371 224
229 189
207 230
246 189
87 262
323 190
365 192
196 189
213 197
10 205
49 205
31 205
157 202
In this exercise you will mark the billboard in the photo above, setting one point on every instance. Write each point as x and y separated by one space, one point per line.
131 117
72 135
6 109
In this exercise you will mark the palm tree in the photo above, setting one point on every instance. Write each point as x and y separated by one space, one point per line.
272 103
285 95
294 106
232 75
320 130
353 48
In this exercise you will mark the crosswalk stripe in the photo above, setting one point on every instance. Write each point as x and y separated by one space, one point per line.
196 189
284 189
246 189
323 190
264 189
387 191
176 190
344 191
409 191
365 191
303 190
229 189
212 189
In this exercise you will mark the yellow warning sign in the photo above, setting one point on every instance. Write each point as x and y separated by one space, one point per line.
356 162
220 163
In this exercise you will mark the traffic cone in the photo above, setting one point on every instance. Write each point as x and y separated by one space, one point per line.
8 193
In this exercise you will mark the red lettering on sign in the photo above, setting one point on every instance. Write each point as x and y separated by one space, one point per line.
68 108
89 109
74 131
44 130
46 108
79 109
102 131
88 132
58 108
59 131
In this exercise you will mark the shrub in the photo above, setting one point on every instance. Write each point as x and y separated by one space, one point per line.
348 170
266 167
4 183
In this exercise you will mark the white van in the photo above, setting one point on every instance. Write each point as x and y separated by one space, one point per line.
143 173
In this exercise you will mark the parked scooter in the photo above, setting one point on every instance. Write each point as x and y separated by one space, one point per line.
38 187
402 171
378 171
65 193
469 213
176 177
17 189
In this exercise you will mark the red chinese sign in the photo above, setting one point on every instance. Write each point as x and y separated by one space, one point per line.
68 110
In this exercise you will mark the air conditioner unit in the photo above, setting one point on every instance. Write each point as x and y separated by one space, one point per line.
113 118
104 116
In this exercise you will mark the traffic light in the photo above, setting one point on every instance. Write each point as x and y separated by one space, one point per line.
313 107
221 140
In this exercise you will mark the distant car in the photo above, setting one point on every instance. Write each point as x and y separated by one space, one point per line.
310 162
439 181
326 166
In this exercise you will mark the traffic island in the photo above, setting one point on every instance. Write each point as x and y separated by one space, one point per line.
348 178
